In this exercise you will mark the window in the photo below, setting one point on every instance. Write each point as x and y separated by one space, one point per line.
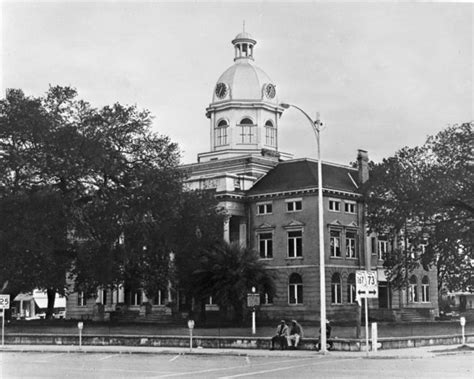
295 244
266 299
412 290
373 245
383 247
221 133
334 205
351 289
160 297
270 134
351 249
102 296
210 301
336 291
136 298
81 299
335 243
264 208
247 131
295 289
294 205
349 207
425 290
265 245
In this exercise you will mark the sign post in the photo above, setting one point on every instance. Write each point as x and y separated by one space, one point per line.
4 304
253 301
366 287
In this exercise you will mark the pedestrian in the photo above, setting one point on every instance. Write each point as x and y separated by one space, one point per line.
329 344
295 334
280 336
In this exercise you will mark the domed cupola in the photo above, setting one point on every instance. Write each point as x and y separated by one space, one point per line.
244 111
244 80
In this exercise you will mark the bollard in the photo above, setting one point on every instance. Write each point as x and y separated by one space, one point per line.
191 327
374 336
80 326
462 321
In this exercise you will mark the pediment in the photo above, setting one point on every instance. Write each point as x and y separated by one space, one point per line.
294 224
265 225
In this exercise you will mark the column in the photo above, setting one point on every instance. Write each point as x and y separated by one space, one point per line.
227 228
243 234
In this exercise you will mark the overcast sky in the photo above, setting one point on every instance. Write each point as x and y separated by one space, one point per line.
382 76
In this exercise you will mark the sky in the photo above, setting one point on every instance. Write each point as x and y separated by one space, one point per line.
381 75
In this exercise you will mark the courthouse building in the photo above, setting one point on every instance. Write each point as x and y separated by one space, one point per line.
271 202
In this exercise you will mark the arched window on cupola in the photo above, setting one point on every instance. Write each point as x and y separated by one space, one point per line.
270 134
220 133
247 131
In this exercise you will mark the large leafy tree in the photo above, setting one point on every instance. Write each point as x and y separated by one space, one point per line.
93 192
424 195
227 272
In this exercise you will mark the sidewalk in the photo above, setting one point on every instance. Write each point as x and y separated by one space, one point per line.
410 353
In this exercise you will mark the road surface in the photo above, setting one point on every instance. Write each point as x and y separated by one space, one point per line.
79 365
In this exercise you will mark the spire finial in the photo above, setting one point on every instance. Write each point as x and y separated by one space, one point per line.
243 27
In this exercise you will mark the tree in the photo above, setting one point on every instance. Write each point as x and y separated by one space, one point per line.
423 195
227 272
103 174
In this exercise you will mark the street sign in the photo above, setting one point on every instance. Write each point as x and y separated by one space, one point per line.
366 284
4 301
253 300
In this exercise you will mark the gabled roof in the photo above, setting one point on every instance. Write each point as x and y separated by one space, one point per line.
302 174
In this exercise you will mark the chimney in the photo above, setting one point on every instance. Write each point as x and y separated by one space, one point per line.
363 165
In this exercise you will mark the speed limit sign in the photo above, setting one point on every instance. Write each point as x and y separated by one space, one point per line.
4 301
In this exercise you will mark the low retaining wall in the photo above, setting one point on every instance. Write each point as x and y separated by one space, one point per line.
225 342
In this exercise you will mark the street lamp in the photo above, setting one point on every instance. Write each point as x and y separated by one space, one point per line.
316 125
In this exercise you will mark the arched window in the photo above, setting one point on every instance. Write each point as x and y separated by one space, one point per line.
295 289
270 134
412 290
247 131
220 133
425 290
351 289
336 290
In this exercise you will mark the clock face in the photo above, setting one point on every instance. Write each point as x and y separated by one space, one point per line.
270 91
221 90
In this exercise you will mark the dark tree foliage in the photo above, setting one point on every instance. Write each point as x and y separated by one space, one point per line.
227 272
90 192
424 195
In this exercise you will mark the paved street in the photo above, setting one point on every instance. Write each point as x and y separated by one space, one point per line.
433 363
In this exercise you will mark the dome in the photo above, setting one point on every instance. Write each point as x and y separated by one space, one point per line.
245 81
244 36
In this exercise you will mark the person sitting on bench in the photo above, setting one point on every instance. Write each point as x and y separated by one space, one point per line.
295 334
281 335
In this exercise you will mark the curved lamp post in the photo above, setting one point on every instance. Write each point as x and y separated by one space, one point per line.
316 125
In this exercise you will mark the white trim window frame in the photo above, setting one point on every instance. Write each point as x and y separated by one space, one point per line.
295 291
294 239
382 248
334 205
294 205
81 299
265 244
350 207
335 243
264 208
351 244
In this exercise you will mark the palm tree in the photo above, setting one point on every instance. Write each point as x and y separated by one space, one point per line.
228 272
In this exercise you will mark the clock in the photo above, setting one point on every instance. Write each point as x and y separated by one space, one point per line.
221 90
270 91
